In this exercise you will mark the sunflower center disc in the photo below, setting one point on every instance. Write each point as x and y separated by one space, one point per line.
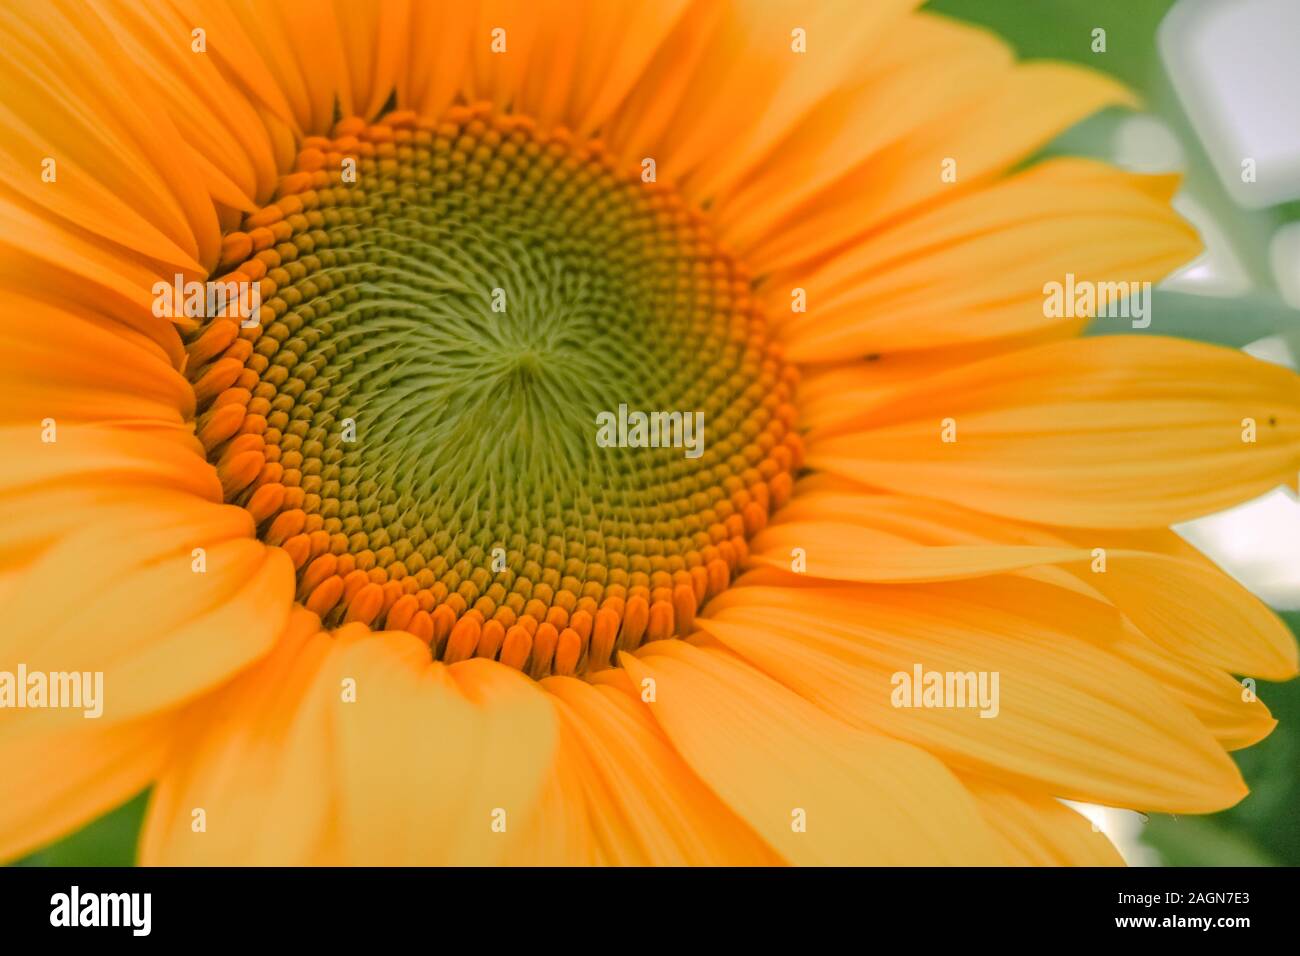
436 413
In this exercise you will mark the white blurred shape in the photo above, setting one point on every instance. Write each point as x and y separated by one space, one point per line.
1273 349
1258 543
1123 828
1233 65
1215 272
1284 256
1145 144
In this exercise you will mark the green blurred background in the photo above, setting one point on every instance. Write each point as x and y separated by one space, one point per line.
1264 829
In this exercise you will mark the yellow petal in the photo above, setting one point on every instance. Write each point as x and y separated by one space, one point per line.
230 41
433 756
643 804
160 632
754 108
975 268
1067 716
1174 595
57 780
726 86
215 116
855 553
494 74
374 38
614 53
41 255
817 791
289 54
148 198
255 758
984 132
1121 432
441 33
924 65
1201 613
99 456
831 395
1038 830
355 748
1236 718
84 367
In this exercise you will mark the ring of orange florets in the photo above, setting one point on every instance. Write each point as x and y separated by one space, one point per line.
590 551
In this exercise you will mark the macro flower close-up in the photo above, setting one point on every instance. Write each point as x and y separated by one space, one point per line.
568 432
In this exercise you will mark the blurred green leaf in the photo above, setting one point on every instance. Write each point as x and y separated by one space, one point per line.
1062 30
108 841
1196 841
1266 824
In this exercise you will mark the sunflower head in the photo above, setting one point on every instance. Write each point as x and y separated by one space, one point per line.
411 412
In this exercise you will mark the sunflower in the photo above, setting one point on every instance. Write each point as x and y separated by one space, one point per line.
361 582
